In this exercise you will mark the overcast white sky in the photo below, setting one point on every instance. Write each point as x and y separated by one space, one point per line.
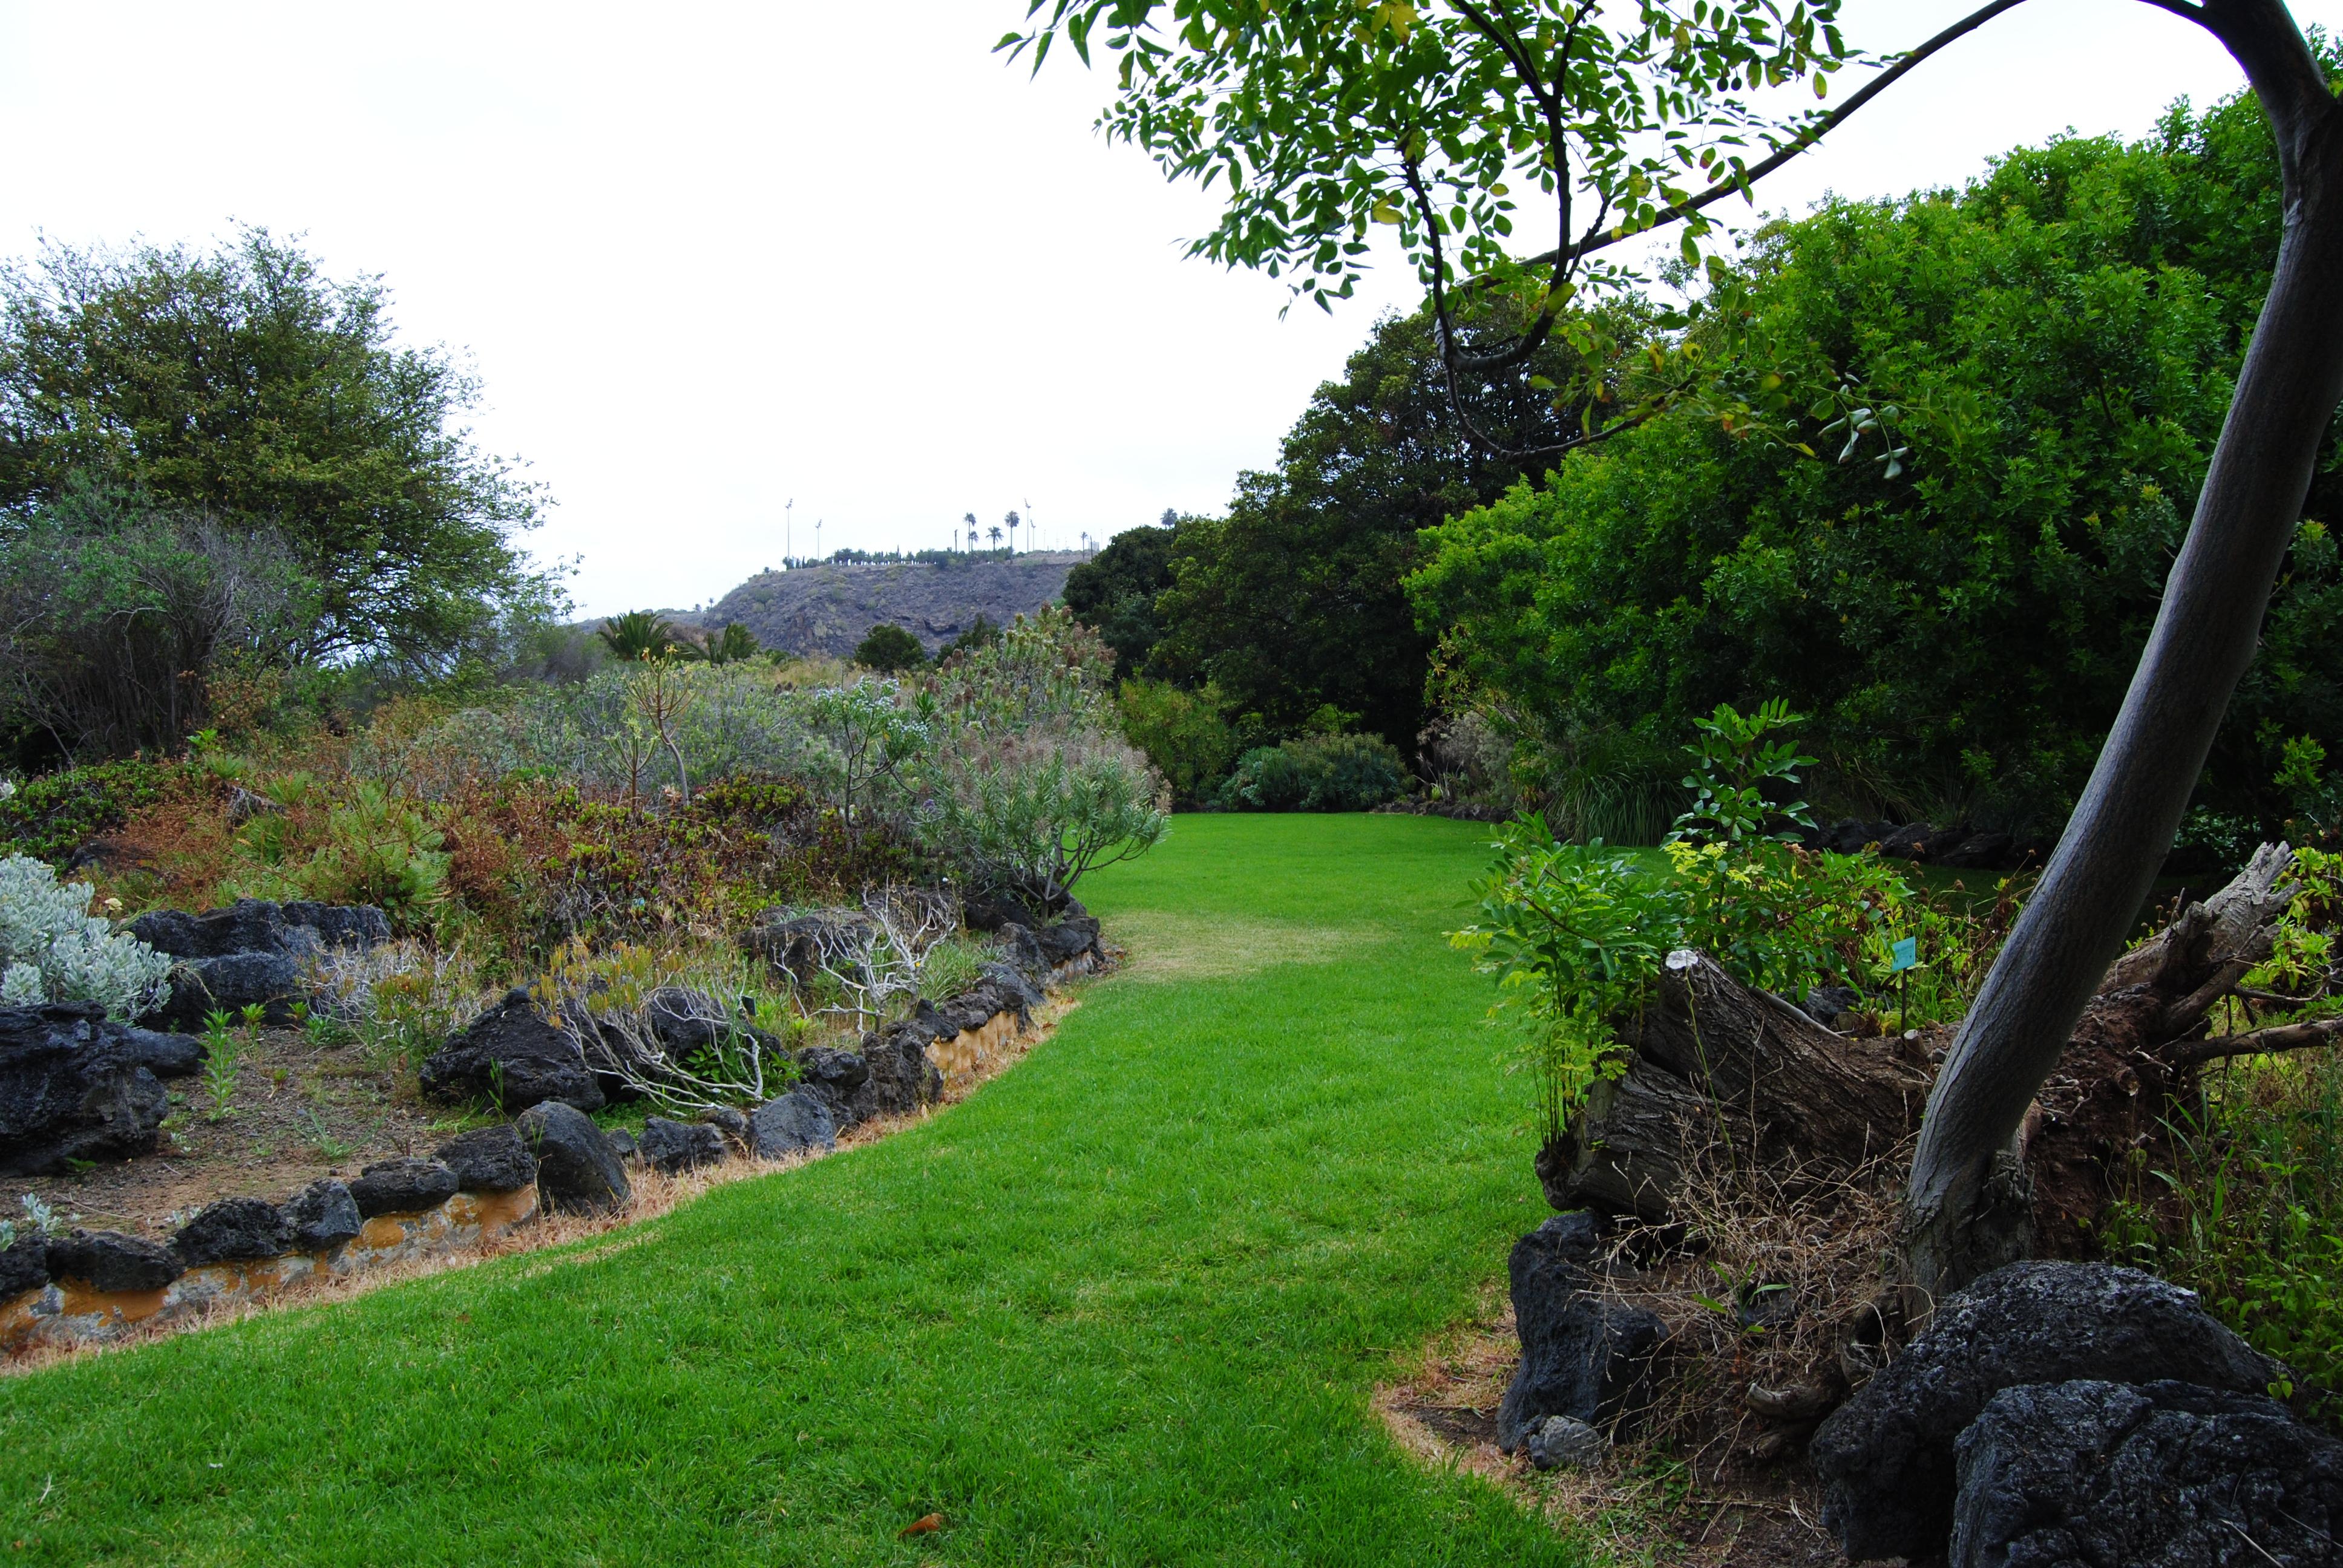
709 259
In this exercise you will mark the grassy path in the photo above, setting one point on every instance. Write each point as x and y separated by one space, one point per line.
1126 1305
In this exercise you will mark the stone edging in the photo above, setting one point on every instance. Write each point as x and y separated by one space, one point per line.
70 1313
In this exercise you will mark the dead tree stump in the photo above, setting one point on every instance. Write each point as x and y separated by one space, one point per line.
1713 1066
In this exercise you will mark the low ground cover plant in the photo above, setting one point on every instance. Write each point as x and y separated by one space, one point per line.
52 948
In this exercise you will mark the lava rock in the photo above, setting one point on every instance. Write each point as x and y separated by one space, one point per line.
733 1123
1020 952
1069 940
251 953
1014 988
322 1216
487 1160
1886 1457
362 927
792 1124
902 1078
1980 852
674 1147
511 1056
163 1055
73 1086
234 1230
623 1143
1582 1356
402 1186
795 943
1823 1003
835 1076
991 911
1909 842
2165 1474
110 1261
683 1019
1560 1440
24 1266
577 1173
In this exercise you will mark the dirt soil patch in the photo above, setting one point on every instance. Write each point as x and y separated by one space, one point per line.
298 1109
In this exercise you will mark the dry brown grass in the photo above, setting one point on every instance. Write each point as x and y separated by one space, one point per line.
656 1196
1703 1480
1171 947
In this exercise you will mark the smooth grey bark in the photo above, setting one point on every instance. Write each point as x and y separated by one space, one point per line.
1963 1217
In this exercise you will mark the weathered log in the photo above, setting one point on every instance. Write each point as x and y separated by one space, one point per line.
1718 1063
1716 1066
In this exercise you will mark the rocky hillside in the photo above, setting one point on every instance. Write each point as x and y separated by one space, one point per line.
830 608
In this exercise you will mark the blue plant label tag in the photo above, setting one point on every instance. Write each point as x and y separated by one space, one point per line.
1904 955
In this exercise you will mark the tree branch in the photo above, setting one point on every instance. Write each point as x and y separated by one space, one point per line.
2261 1041
1596 239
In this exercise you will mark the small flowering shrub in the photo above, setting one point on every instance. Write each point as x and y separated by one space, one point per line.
53 949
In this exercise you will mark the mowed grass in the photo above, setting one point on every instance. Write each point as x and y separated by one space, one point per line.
1127 1304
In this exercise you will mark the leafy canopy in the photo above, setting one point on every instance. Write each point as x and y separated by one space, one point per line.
1293 599
247 385
2059 342
1456 123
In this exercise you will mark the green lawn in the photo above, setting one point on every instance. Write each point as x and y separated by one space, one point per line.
1126 1304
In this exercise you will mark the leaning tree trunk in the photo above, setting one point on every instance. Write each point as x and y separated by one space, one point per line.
1963 1215
1717 1070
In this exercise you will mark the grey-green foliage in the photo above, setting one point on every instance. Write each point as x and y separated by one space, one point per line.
1031 785
53 949
591 733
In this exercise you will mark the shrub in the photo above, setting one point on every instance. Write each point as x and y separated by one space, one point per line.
1182 733
1468 759
402 999
1030 788
1033 813
117 620
53 949
371 848
51 816
1317 773
889 649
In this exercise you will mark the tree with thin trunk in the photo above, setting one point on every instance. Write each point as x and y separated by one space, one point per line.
1452 121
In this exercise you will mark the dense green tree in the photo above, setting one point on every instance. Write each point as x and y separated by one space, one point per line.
888 648
2059 345
246 387
1113 593
1292 602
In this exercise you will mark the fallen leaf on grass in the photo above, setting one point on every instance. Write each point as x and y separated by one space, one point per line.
926 1523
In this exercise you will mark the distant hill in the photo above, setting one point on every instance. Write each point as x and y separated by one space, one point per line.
828 609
